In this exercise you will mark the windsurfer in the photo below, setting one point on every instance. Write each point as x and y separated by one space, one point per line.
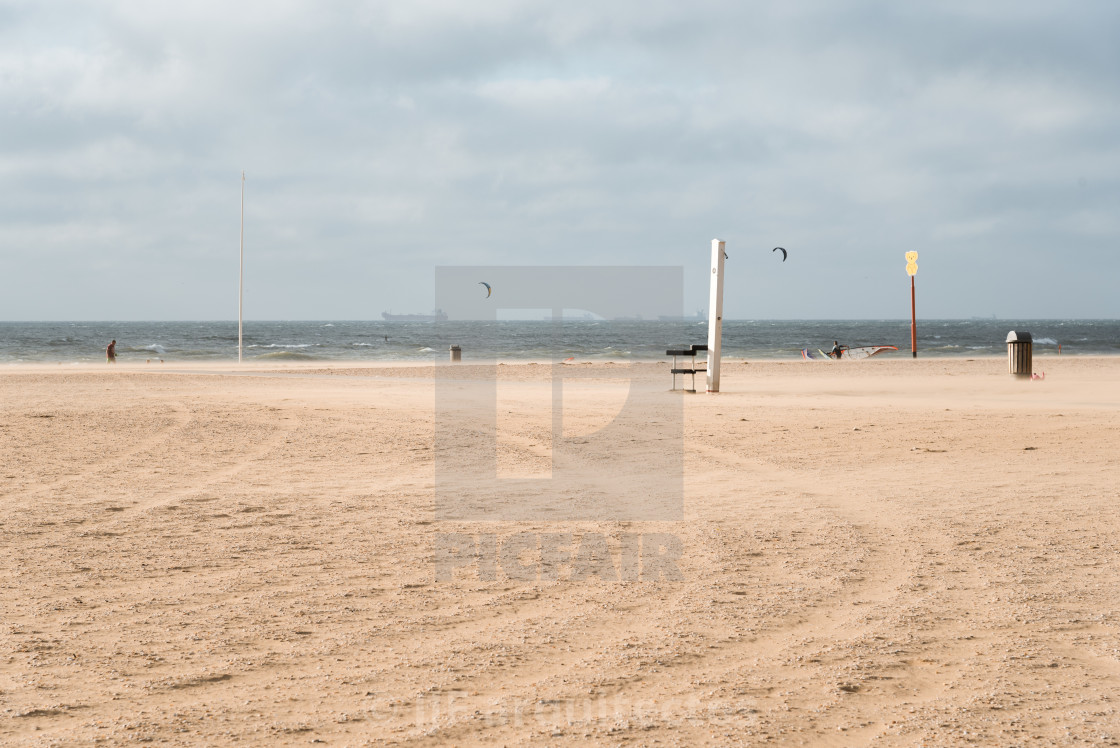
836 351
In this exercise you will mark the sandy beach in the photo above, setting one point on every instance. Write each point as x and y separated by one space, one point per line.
893 552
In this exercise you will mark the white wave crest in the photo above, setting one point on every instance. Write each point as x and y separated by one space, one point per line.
280 345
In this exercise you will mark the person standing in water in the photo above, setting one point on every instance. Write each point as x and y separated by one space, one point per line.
836 351
111 353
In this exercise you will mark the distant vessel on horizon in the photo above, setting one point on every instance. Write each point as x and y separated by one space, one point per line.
700 316
438 316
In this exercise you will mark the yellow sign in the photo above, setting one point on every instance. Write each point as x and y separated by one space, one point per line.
911 263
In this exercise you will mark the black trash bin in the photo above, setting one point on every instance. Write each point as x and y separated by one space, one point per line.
1019 354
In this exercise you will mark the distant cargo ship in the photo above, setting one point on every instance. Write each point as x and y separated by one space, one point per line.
438 316
700 316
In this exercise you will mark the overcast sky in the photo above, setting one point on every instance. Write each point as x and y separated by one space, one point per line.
384 139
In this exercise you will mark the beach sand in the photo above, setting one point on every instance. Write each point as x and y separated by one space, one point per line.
890 552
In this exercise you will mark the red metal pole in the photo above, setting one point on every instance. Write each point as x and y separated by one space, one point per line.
913 321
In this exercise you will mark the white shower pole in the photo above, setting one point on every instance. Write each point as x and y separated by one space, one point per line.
715 315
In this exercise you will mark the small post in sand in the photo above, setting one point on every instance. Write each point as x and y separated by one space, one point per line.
715 315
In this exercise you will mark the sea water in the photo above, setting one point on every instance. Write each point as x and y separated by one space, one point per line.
76 342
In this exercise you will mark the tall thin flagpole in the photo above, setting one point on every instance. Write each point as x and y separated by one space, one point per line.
241 271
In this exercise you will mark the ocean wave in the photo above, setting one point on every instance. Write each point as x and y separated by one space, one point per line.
280 345
531 340
285 356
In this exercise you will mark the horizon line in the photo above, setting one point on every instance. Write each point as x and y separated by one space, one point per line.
233 321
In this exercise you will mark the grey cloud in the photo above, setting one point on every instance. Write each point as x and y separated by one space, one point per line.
382 139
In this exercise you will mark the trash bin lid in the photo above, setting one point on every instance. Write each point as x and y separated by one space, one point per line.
1019 337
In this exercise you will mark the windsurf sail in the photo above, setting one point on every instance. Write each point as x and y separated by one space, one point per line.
867 351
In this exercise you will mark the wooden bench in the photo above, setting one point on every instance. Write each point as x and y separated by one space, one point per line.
689 353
